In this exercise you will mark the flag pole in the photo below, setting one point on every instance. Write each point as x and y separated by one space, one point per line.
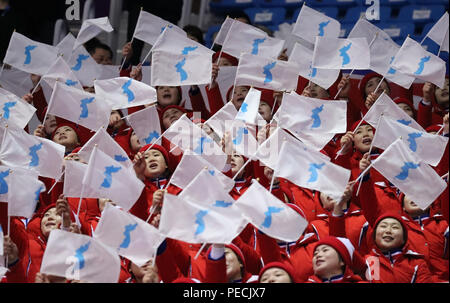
199 251
444 176
361 176
56 181
37 85
125 59
1 70
241 169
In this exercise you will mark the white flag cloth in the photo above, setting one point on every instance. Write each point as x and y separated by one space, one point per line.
74 172
224 30
269 151
191 165
112 180
128 235
197 223
1 248
413 60
245 38
419 143
270 215
106 144
146 125
79 106
28 55
218 121
338 53
79 257
313 115
16 81
60 71
65 46
302 56
189 136
311 23
19 149
109 72
439 32
382 53
265 72
83 66
21 199
14 109
384 105
249 108
365 29
149 27
124 92
91 28
414 178
306 169
243 141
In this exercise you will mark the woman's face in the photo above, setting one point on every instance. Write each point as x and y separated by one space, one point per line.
134 143
156 164
167 95
326 262
233 266
265 111
116 120
170 116
66 136
327 202
275 275
412 208
389 234
408 110
239 94
50 124
372 84
318 92
442 95
363 138
50 221
237 161
224 62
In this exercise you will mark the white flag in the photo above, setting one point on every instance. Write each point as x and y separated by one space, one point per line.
79 257
419 143
302 56
269 151
128 235
91 28
313 115
124 92
65 46
243 141
106 144
385 106
249 108
245 38
365 29
224 30
382 54
1 251
217 121
83 66
191 165
149 27
16 81
338 53
20 149
270 215
14 109
414 178
146 125
28 55
413 60
439 32
21 199
74 172
306 169
189 136
112 180
265 72
79 106
311 23
60 71
198 223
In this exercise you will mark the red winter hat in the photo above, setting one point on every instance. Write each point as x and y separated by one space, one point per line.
342 245
83 133
365 79
159 148
238 253
433 128
394 215
233 60
230 91
72 126
267 96
357 123
284 266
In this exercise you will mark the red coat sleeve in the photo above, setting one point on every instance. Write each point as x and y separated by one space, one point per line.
368 200
268 248
18 234
424 114
40 104
216 270
140 209
252 257
215 100
337 226
167 269
198 104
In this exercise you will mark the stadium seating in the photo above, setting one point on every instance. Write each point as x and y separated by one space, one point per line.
224 6
266 16
420 13
288 4
398 31
354 13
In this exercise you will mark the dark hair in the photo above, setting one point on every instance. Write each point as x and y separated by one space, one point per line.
240 14
195 32
105 47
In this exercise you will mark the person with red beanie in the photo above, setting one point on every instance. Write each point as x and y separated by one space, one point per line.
277 272
434 104
367 87
332 261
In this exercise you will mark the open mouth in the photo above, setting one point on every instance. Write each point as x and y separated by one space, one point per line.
153 165
50 224
167 96
319 262
62 138
388 239
367 141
